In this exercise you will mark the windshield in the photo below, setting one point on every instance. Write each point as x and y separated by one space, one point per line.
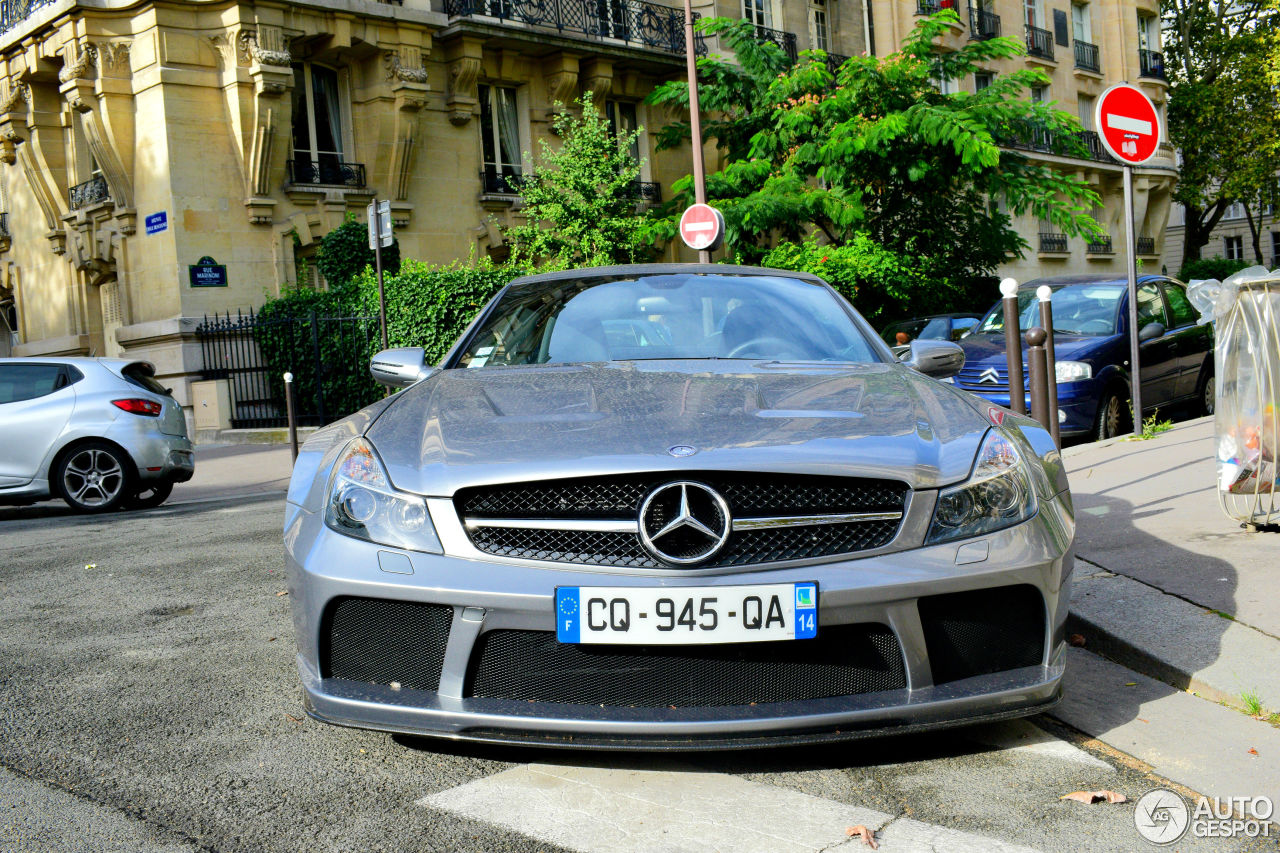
1078 309
670 316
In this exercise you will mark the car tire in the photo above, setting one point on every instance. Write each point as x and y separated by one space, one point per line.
151 494
94 477
1205 390
1113 418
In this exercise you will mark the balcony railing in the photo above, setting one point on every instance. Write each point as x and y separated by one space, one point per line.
782 38
1092 142
14 12
928 7
334 173
632 21
1151 64
1053 242
4 225
983 25
496 183
1145 245
1039 42
1100 246
90 192
835 60
1087 56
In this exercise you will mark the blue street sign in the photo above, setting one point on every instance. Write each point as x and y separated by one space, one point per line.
157 222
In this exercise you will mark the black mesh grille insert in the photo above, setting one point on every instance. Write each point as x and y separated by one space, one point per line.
620 497
377 641
843 660
983 631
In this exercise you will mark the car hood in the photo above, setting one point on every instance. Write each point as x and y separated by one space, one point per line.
514 424
988 350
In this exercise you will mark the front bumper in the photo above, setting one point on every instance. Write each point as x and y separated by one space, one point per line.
487 596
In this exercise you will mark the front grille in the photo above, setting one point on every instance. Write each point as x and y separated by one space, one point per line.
380 642
983 631
620 497
532 666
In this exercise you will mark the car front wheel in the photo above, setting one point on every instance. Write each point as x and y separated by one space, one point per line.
1113 415
94 477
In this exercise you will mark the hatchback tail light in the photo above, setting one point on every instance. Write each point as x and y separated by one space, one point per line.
138 406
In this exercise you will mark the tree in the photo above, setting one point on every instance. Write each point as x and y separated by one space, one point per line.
1223 62
875 150
580 202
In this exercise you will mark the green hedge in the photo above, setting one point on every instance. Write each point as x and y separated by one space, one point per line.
1215 267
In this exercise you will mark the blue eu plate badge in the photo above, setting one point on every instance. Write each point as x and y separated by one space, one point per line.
806 611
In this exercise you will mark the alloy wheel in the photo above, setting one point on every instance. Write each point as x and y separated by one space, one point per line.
93 478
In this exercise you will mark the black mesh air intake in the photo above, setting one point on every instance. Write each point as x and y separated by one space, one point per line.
843 660
378 641
983 631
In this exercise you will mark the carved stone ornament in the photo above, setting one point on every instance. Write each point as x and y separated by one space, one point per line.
9 140
114 55
78 67
14 94
264 56
463 72
397 70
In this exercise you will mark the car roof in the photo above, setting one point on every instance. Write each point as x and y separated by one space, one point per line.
629 270
1086 278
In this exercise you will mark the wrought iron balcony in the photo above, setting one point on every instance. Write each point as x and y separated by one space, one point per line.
90 192
783 39
332 173
928 7
983 25
14 12
1093 143
1145 245
645 191
1053 242
1087 56
835 60
493 182
1039 42
631 21
1100 246
1151 64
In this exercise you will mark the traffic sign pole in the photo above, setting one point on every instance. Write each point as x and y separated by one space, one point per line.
695 120
1131 270
378 211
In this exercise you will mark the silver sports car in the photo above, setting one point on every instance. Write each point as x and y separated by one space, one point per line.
677 506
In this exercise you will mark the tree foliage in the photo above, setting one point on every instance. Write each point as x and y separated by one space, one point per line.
875 151
344 252
1223 62
580 201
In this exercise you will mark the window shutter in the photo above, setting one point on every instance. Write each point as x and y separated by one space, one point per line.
1060 28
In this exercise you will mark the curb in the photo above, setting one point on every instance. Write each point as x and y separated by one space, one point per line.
275 435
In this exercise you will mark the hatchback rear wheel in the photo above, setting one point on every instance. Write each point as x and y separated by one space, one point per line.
94 477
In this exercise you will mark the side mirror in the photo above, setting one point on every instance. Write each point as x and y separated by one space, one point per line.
939 359
401 367
1151 331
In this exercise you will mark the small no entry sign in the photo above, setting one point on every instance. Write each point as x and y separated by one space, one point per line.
1128 124
701 227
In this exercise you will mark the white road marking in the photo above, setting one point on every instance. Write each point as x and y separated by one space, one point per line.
1133 125
606 810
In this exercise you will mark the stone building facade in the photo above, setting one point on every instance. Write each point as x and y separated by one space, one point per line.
1084 46
1231 238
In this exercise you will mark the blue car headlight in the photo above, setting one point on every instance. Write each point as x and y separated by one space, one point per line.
362 503
998 494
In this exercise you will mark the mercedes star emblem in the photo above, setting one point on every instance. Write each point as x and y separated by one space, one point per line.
684 522
681 450
991 376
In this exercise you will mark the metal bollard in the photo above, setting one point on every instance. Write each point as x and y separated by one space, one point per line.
1038 369
291 414
1013 345
1045 294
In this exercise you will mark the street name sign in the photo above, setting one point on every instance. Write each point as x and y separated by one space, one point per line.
380 229
701 227
1128 124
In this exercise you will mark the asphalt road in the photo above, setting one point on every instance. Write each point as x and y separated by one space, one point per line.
149 702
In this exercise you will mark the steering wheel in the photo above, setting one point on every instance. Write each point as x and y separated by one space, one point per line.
746 346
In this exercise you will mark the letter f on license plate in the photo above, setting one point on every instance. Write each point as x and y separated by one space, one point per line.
686 615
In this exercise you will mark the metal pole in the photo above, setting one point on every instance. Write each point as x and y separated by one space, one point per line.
291 413
1131 269
1037 366
1013 346
1045 292
695 119
377 261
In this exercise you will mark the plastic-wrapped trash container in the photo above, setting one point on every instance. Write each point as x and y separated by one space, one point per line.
1246 312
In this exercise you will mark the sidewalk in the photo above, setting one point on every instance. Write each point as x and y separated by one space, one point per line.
241 470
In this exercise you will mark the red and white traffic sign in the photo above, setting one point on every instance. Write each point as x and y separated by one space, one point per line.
1128 124
701 227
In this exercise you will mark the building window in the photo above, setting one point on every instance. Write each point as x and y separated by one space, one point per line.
1235 210
982 79
1086 104
1039 93
1233 247
946 87
1275 248
500 137
1034 13
622 121
1081 26
318 128
758 12
818 35
1147 37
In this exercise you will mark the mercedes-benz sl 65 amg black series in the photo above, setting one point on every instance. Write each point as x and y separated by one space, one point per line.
677 506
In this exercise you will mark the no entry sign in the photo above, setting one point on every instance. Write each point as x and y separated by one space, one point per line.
1128 124
701 227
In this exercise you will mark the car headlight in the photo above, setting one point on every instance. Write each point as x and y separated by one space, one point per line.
362 503
998 494
1072 371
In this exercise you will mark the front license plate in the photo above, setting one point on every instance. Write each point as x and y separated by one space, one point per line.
686 615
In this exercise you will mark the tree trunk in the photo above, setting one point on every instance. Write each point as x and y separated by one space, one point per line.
1255 226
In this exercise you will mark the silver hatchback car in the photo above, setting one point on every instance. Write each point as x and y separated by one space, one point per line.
99 433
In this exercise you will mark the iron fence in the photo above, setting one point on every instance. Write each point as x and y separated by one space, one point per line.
328 357
631 21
